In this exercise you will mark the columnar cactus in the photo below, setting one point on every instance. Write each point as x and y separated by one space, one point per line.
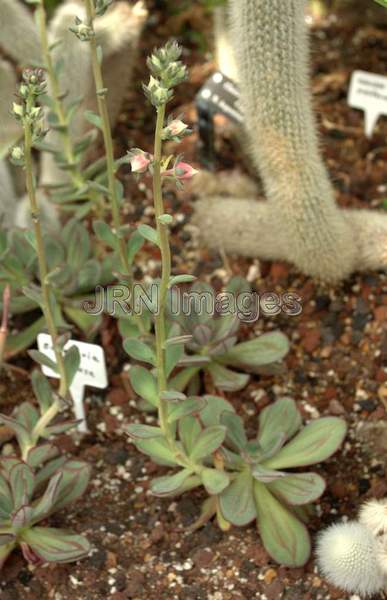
224 52
300 222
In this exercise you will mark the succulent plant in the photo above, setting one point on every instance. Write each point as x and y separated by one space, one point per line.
23 505
39 483
213 344
246 478
74 274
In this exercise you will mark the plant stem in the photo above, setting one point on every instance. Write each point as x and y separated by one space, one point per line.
68 149
43 271
108 141
162 231
4 322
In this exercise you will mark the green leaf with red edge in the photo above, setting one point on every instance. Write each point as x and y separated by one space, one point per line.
169 485
27 415
41 454
42 390
298 488
46 503
214 480
22 434
138 431
49 470
315 442
74 481
6 504
285 538
263 350
144 384
157 448
282 415
226 379
21 482
208 441
237 501
56 545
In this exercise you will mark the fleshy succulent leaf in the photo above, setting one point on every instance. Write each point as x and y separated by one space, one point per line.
144 384
215 407
237 500
139 351
281 416
169 485
138 431
22 434
208 442
46 503
56 545
5 499
315 442
285 538
21 481
266 475
27 415
187 407
158 449
263 350
189 431
42 390
41 454
298 489
236 435
226 379
214 480
72 484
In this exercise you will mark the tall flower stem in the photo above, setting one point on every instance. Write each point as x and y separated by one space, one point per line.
4 323
43 270
163 236
68 148
101 92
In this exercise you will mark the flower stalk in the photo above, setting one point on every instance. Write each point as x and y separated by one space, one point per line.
101 92
30 116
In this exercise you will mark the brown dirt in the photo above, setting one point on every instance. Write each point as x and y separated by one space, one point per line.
337 365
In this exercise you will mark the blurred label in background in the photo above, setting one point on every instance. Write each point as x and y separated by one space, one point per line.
368 92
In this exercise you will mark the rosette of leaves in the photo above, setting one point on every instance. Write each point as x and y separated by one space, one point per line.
247 479
39 484
213 345
74 273
24 504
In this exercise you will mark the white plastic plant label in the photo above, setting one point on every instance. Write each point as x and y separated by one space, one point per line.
91 372
368 92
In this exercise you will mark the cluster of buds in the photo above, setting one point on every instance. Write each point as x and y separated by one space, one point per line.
167 71
83 31
33 85
175 130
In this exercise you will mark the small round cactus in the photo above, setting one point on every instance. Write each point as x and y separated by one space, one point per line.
373 515
349 556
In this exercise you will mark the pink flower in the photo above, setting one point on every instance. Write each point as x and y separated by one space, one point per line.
181 171
139 162
177 127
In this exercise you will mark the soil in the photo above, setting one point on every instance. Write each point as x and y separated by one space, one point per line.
337 364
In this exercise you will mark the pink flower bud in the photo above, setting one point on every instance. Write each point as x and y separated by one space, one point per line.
181 171
139 162
177 127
